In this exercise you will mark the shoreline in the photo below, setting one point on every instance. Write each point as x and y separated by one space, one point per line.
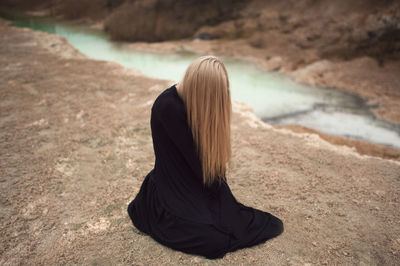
320 72
273 48
382 151
309 75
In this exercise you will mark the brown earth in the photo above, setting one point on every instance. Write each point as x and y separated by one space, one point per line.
307 30
75 146
341 29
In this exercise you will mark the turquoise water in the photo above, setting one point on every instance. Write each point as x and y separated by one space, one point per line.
275 98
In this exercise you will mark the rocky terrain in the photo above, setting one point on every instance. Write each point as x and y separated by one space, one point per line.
75 146
318 28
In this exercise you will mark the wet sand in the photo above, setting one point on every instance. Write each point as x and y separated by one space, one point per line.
75 146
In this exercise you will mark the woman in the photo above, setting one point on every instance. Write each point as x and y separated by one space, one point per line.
185 202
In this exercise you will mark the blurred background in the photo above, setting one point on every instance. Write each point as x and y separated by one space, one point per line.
340 29
305 65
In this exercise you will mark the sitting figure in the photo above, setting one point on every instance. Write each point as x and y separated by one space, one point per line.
185 202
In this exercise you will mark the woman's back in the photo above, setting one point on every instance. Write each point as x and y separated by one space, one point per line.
177 170
174 205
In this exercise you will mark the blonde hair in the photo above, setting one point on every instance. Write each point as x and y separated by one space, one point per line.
205 92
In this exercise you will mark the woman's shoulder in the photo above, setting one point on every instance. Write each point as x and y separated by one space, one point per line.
168 101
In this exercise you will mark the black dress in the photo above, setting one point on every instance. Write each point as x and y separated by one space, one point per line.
176 209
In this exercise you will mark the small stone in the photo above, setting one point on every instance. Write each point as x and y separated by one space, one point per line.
196 260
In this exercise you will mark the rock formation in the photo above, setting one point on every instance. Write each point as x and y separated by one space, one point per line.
334 30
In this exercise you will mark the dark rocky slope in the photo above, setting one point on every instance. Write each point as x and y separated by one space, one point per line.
308 30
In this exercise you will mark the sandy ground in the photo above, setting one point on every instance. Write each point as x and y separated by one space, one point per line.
75 146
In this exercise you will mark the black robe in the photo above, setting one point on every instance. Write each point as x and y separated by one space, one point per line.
176 209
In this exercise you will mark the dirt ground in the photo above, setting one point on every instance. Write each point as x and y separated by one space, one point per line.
75 146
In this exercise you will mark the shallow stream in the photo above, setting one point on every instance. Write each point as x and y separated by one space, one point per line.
275 98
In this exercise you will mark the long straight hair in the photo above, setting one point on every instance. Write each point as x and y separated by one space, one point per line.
206 94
